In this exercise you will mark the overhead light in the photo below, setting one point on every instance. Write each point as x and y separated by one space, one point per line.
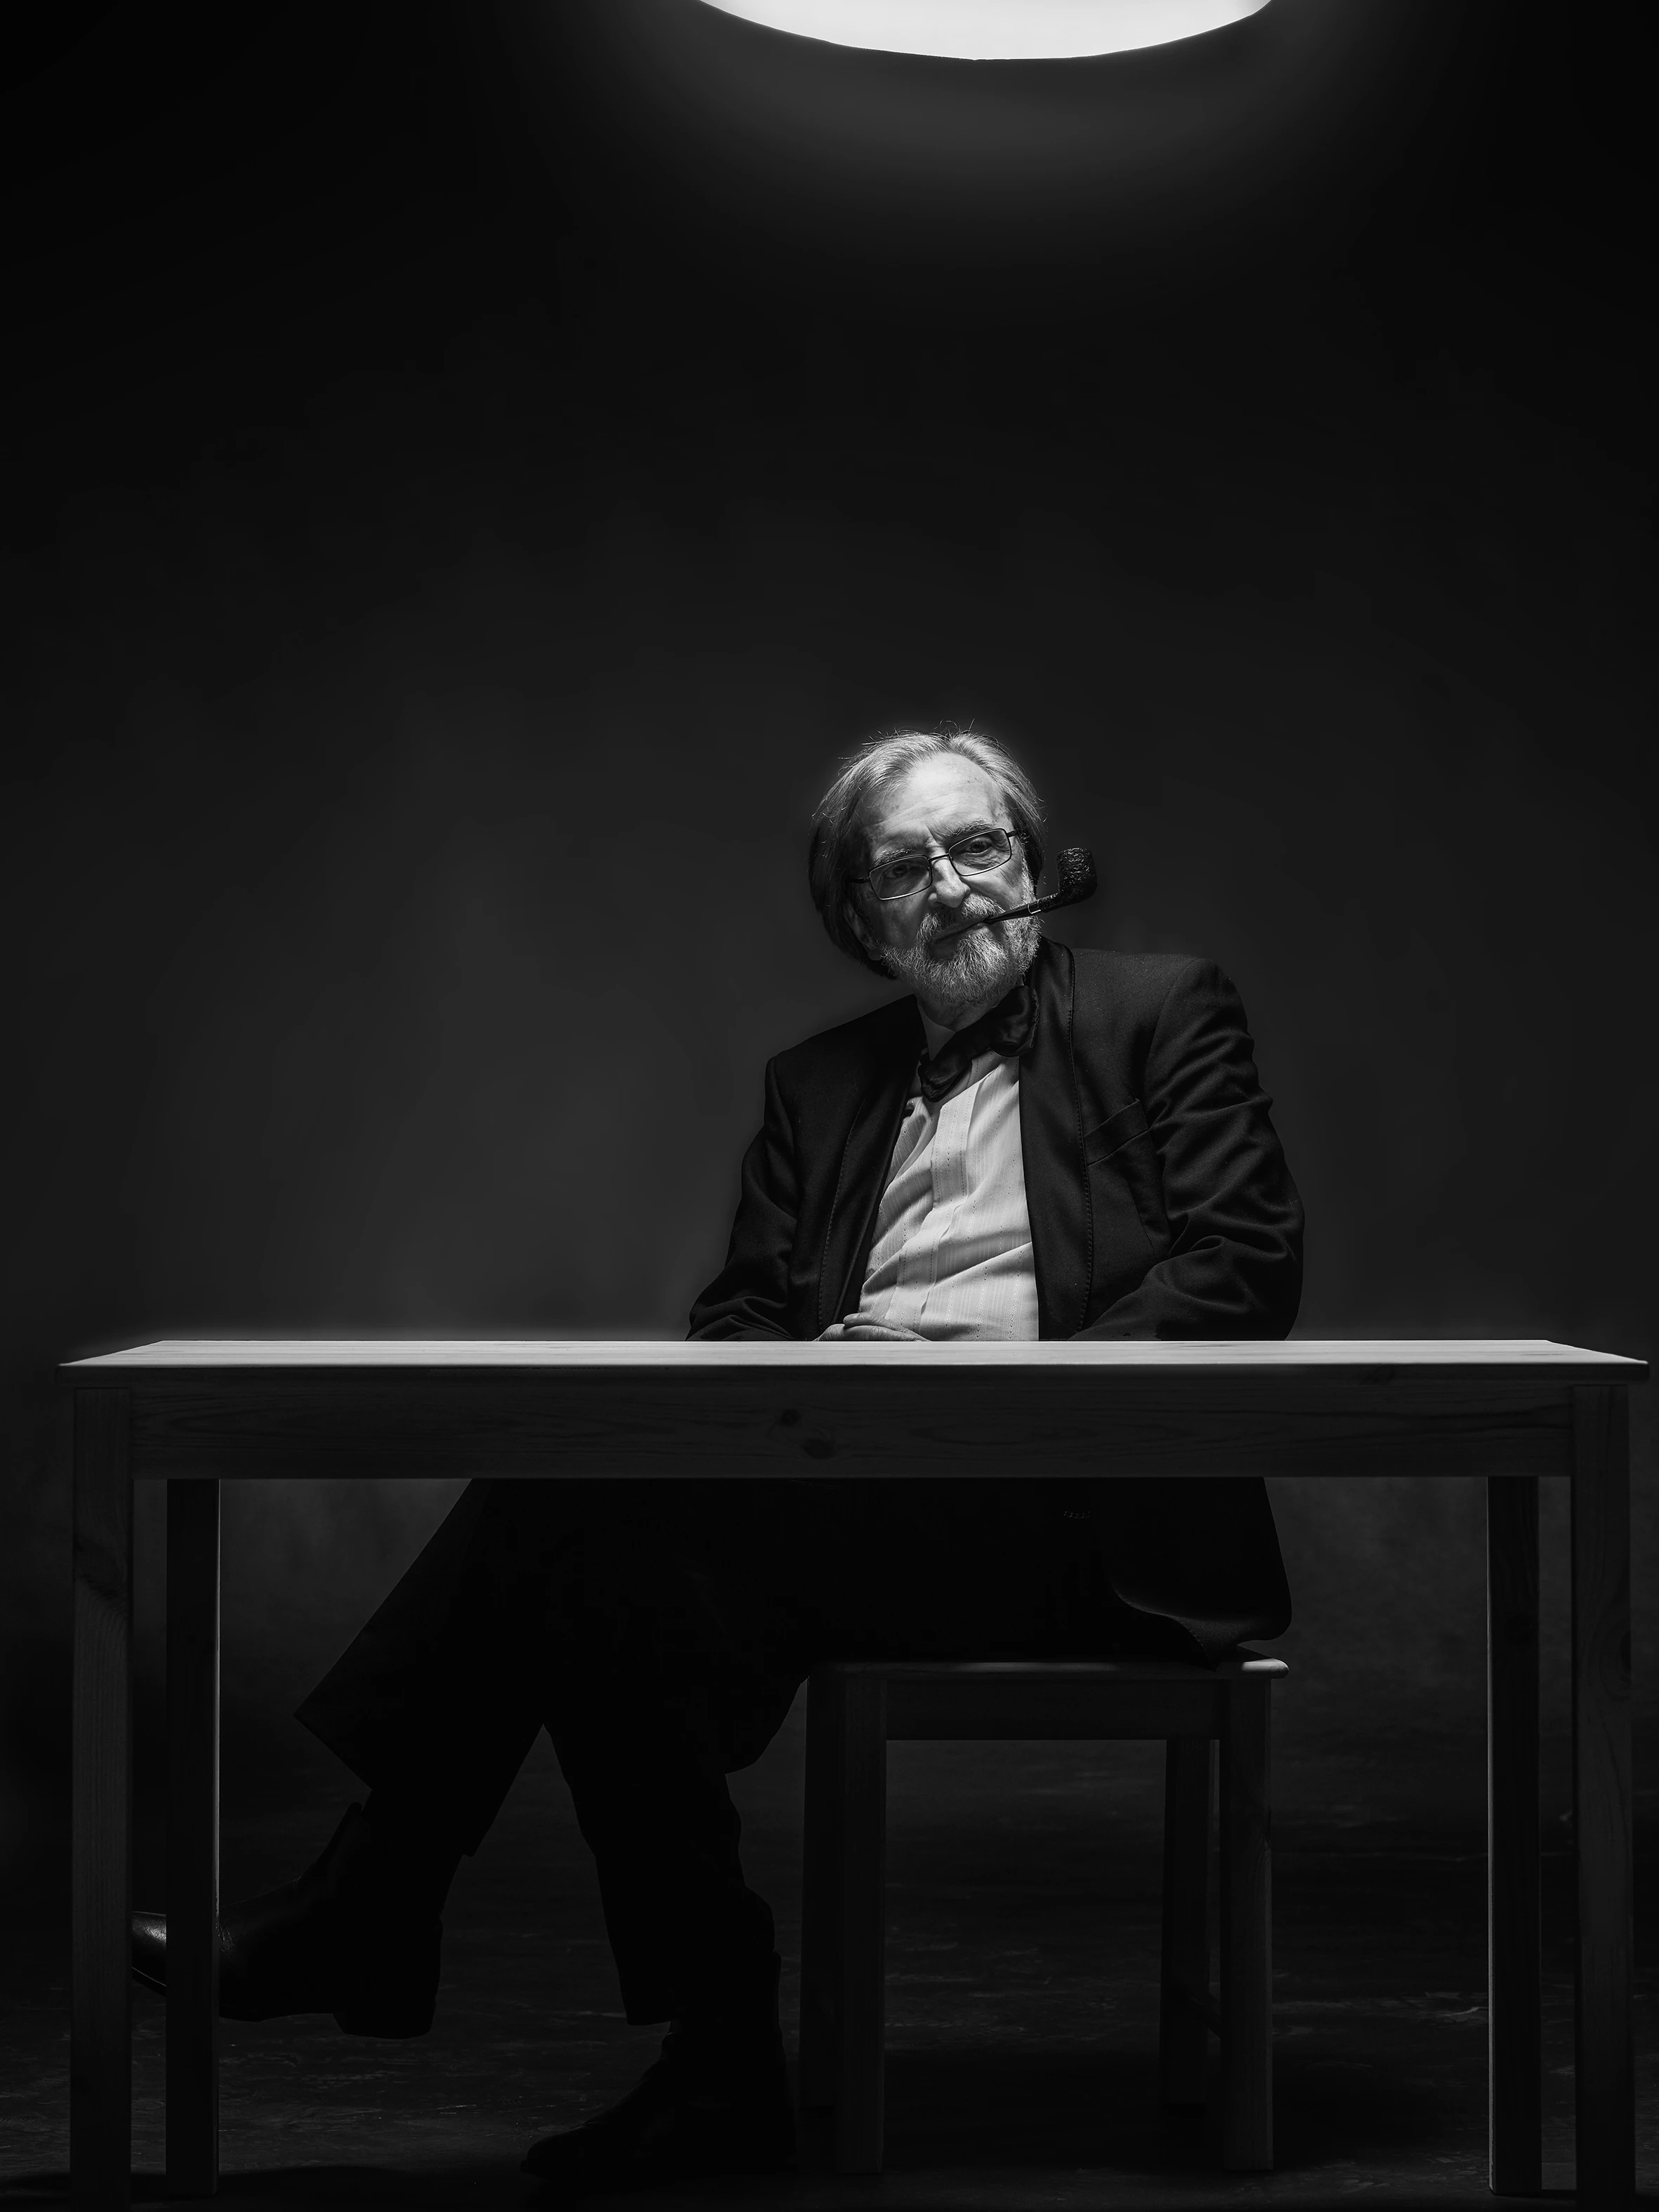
994 30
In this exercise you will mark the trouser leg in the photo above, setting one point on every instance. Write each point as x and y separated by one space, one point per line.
437 1701
675 1681
660 1629
643 1756
742 1594
971 1569
620 1616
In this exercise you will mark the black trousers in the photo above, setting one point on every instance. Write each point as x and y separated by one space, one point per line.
660 1631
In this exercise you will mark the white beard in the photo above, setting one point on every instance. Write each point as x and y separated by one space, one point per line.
975 970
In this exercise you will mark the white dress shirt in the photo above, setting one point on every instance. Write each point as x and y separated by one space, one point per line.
952 1251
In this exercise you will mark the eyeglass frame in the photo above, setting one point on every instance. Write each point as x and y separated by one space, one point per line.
1016 843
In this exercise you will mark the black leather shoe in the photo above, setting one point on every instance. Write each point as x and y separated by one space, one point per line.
698 2111
345 1938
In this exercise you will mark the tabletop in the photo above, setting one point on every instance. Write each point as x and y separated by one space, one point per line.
283 1407
1485 1358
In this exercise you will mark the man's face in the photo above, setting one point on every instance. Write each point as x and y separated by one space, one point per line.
938 801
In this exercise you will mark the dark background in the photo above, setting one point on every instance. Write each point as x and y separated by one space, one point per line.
470 472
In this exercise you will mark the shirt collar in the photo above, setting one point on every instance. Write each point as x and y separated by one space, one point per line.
938 1034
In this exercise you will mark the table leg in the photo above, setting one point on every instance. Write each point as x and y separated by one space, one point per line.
1604 2072
1514 1963
192 2075
100 1855
860 2011
820 1899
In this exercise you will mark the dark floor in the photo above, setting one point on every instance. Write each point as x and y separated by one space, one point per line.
1021 1994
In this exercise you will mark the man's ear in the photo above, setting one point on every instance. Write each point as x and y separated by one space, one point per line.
860 929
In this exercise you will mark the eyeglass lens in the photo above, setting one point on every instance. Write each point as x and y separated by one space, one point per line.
975 854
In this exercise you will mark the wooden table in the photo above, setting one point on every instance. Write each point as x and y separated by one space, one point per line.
194 1413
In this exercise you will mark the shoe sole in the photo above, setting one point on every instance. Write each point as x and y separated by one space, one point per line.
602 2180
391 2028
592 2168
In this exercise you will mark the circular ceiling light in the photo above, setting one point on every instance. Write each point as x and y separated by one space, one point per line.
994 30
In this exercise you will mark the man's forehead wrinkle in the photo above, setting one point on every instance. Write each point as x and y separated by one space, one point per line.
914 838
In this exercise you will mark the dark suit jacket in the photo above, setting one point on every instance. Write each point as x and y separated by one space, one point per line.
1160 1205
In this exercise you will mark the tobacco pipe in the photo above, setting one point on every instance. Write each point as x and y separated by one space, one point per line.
1078 880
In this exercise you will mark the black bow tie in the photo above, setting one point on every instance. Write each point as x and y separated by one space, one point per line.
1008 1028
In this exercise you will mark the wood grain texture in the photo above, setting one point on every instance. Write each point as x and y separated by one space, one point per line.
100 2043
192 2063
1515 2027
1246 2079
1184 1972
777 1409
1604 2079
895 1424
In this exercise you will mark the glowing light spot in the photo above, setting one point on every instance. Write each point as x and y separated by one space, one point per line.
994 30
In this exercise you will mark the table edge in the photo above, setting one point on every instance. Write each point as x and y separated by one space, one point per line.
176 1364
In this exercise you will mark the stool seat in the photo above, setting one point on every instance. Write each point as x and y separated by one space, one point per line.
1081 1700
855 1708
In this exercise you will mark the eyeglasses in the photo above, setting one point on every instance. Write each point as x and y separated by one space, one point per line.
981 853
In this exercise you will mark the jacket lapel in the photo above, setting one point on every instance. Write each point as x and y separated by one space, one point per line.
864 1155
1051 1142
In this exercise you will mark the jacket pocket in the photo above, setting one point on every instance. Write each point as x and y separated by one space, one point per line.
1108 1138
1126 1193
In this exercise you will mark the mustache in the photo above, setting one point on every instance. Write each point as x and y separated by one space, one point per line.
975 908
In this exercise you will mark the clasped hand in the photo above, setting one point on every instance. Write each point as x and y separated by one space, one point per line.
870 1331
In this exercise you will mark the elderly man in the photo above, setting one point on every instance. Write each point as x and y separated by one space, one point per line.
1037 1143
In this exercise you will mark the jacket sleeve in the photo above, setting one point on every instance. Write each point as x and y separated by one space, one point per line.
1233 1262
749 1296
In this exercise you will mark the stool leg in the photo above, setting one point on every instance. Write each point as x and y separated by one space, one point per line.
1247 2081
1184 1991
820 1894
860 2010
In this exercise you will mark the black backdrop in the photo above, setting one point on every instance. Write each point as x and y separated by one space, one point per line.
466 485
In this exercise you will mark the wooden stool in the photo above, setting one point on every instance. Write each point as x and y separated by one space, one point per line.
854 1711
